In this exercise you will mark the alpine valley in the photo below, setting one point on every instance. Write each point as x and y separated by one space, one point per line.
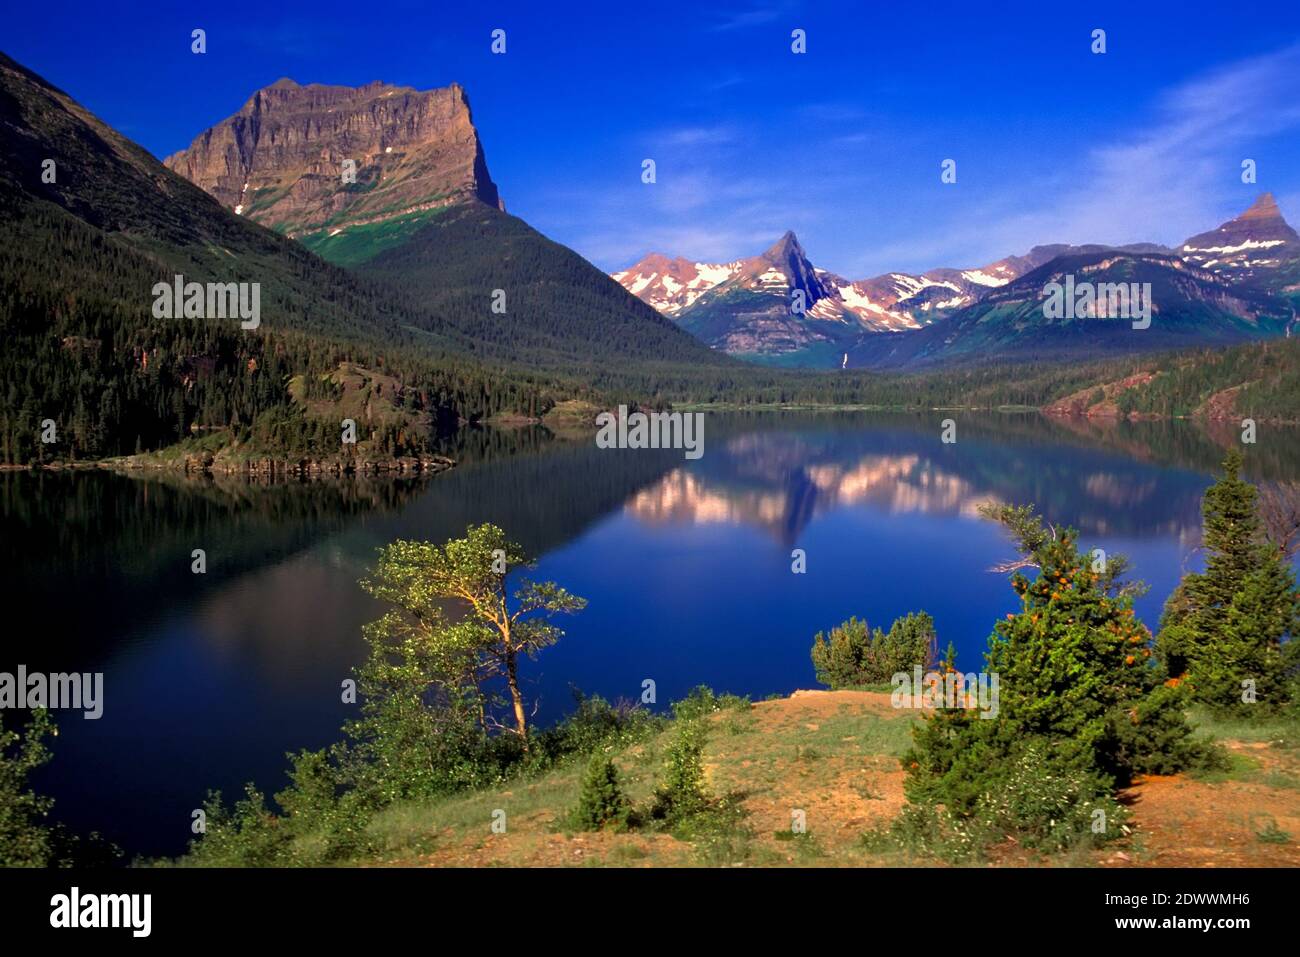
398 293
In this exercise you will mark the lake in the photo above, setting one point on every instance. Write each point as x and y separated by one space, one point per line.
210 679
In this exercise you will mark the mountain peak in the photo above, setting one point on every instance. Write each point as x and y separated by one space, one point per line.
1258 238
785 247
281 159
1265 207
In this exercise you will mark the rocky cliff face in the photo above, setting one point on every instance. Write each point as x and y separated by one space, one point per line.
280 159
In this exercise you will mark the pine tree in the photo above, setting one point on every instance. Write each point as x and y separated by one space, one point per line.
1223 630
601 802
1076 680
853 654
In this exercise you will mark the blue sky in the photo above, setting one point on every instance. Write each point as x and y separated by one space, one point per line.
842 144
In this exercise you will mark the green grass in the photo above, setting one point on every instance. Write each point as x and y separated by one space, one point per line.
359 244
1276 731
838 763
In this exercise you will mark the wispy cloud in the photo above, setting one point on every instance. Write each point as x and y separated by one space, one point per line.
729 187
1179 175
694 136
754 15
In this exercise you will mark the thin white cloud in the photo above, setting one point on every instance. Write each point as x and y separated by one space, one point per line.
754 15
724 191
1170 174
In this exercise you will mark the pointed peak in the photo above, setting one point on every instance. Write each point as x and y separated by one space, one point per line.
1265 207
787 245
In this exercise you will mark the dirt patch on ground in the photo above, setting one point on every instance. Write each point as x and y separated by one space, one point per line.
1221 406
808 704
531 845
842 788
1183 822
1085 401
833 756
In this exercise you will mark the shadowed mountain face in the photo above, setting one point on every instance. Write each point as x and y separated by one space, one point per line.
147 223
1239 282
281 159
1189 307
92 223
499 281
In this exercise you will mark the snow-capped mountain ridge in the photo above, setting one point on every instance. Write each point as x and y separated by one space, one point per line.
1257 239
891 302
751 306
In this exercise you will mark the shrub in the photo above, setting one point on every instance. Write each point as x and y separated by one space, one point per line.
247 835
852 655
1033 798
1050 805
704 701
25 840
683 792
595 725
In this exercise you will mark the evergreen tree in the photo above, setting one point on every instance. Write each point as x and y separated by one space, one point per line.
601 802
854 655
1225 630
683 792
1077 687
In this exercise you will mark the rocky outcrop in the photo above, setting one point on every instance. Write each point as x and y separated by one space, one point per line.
280 159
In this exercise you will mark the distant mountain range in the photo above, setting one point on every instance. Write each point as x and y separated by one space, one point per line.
1238 282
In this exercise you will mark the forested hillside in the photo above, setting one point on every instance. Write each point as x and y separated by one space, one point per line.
91 223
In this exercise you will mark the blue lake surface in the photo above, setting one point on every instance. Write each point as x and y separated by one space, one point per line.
210 679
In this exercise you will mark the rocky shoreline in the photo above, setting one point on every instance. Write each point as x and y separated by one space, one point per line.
261 467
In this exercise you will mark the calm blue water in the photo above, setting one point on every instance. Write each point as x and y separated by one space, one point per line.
686 565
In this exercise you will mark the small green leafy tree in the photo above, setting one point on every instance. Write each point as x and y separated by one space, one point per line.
853 655
1082 707
427 711
418 578
25 840
601 802
1231 624
423 724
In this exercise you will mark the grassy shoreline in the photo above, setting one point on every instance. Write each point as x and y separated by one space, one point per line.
834 755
